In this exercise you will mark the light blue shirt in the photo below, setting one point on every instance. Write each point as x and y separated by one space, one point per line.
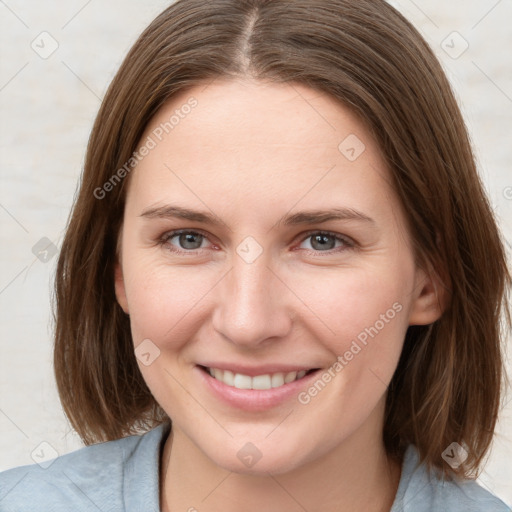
123 475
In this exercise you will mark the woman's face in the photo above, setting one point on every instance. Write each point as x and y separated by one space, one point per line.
294 257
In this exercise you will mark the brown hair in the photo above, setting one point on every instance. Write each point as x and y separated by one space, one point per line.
447 384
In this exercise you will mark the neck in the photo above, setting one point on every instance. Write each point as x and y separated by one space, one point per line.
357 475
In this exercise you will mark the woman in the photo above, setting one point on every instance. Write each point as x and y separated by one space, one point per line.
281 244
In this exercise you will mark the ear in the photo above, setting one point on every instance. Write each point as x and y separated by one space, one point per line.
119 280
430 298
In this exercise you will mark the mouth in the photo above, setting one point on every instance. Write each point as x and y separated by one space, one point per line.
257 382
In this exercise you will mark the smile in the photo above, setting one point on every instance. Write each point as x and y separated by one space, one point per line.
260 382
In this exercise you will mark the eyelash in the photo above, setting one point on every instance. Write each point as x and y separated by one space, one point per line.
164 241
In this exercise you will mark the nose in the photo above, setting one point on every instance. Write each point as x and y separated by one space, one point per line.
253 305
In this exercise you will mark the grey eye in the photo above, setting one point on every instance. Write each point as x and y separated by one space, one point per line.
188 240
323 241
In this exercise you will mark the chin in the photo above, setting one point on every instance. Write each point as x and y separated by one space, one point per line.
245 458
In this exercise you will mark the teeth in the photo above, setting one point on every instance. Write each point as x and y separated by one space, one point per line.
267 381
241 381
277 380
228 378
290 377
261 382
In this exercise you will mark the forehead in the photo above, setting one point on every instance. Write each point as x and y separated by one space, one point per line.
257 144
238 115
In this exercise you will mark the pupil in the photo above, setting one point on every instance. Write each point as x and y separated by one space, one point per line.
188 238
321 239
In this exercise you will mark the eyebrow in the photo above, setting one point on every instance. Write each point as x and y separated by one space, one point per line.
300 218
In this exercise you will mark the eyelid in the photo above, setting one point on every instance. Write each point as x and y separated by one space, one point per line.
163 239
349 242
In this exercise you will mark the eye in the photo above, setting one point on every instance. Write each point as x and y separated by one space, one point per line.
325 241
185 240
191 241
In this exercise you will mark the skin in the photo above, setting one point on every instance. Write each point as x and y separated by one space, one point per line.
252 152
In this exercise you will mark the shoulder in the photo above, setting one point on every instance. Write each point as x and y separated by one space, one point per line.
421 491
115 475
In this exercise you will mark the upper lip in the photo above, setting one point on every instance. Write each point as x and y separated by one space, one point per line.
252 371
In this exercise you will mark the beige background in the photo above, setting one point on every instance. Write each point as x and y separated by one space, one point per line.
47 109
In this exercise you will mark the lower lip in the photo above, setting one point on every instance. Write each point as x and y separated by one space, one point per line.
254 399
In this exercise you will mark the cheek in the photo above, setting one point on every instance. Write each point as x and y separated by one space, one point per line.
358 303
164 299
366 310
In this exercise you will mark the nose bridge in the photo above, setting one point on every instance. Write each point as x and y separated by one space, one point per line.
251 306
